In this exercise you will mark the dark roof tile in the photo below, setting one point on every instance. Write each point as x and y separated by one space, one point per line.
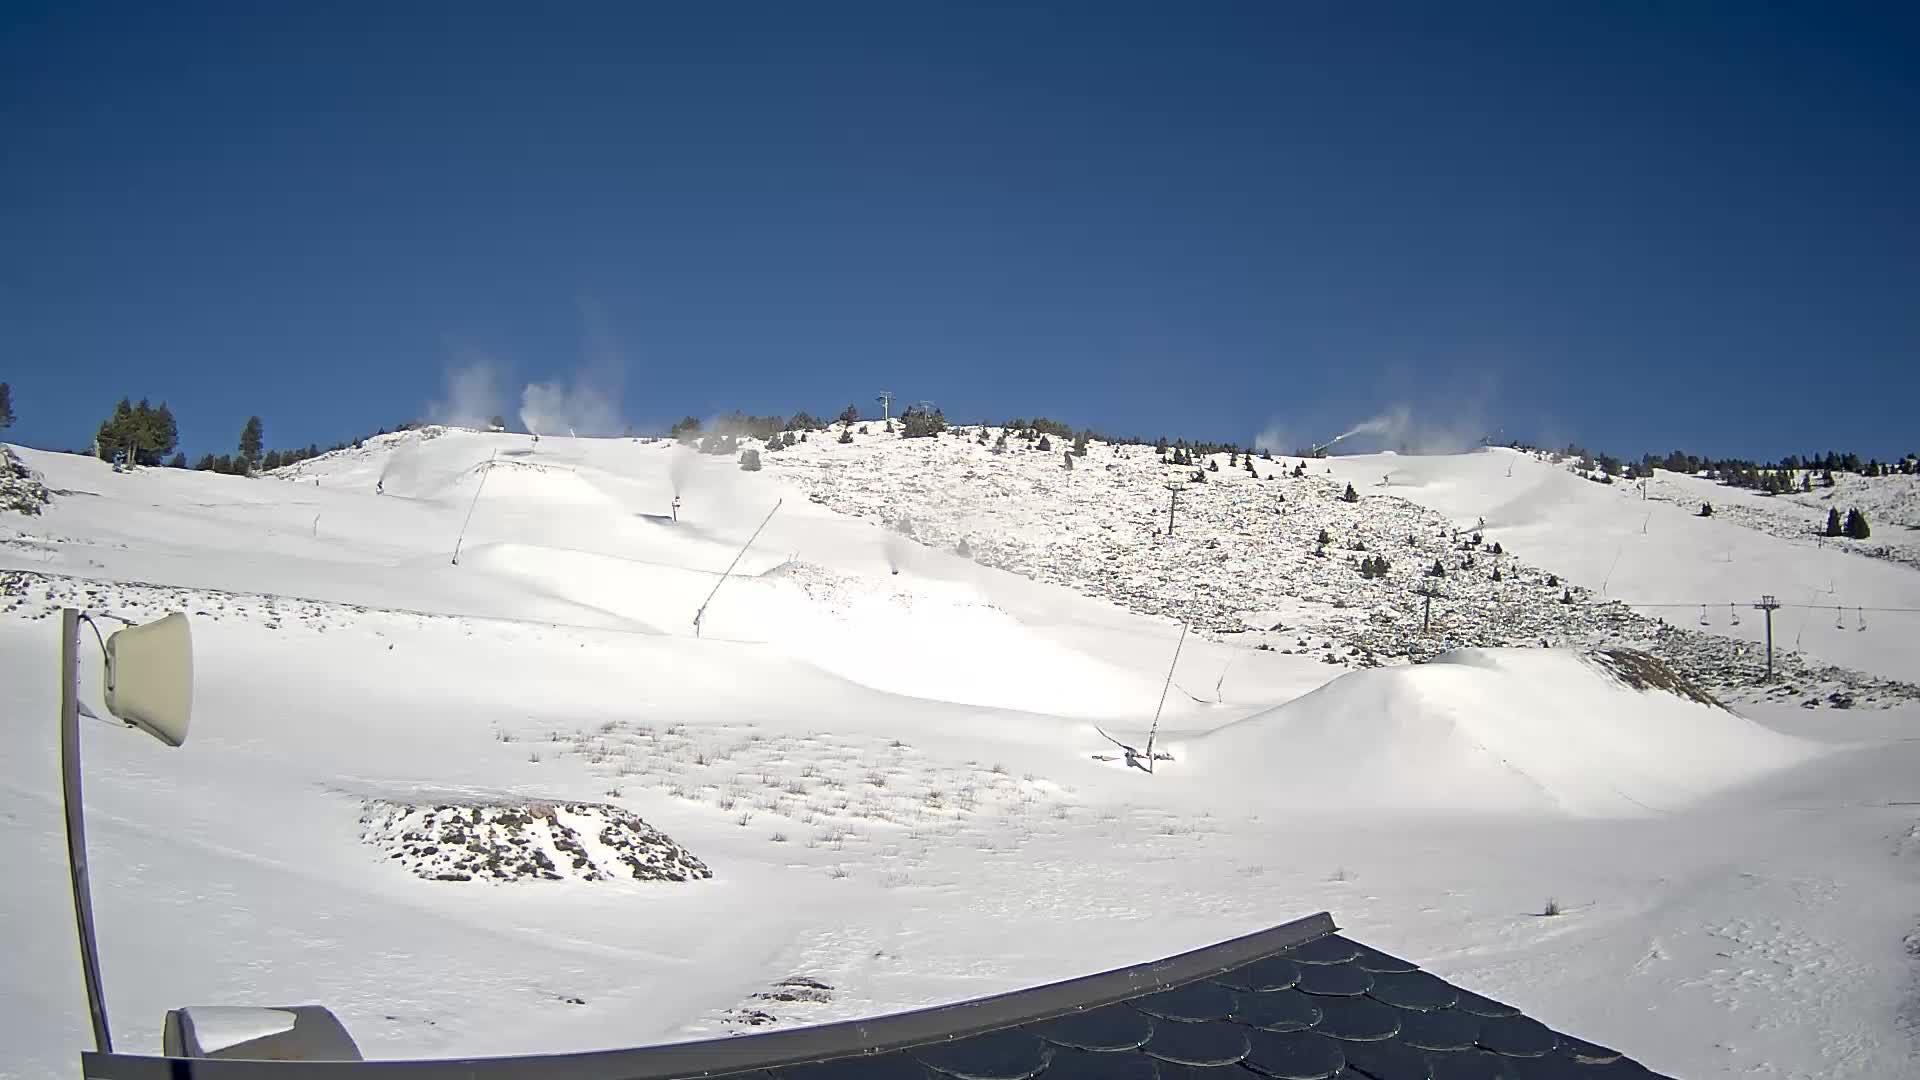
1201 1000
1387 1060
1295 1055
1517 1036
1375 960
1068 1064
1470 1065
1413 990
1272 973
1448 1029
1483 1006
1282 1010
1337 980
1358 1019
1211 1042
1108 1028
1009 1054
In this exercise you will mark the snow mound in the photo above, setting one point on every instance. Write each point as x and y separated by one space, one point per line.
1503 731
533 482
537 841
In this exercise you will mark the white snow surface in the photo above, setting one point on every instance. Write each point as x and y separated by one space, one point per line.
899 780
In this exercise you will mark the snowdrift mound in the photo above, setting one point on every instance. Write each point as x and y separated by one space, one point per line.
509 481
535 841
1503 731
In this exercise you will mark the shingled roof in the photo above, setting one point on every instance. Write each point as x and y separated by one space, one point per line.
1298 1001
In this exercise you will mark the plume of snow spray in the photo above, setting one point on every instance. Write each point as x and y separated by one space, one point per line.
896 546
472 394
680 469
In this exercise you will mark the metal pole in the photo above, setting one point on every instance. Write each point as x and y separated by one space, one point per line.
76 824
482 486
729 570
1168 685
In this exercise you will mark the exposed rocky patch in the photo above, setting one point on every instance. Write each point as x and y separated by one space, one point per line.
531 841
789 996
1275 557
21 489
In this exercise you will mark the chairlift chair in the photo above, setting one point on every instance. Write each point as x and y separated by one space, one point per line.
1735 610
1704 621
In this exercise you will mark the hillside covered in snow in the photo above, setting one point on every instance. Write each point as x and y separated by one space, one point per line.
519 800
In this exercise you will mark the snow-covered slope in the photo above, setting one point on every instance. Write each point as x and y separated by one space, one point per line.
887 755
1663 560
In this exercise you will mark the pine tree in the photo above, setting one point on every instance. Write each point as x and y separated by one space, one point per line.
1350 495
1833 521
162 434
177 461
1045 446
205 464
750 460
115 432
1496 573
1566 596
6 406
251 437
1437 570
849 414
1857 525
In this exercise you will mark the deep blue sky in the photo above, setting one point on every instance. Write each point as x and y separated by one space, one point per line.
1639 226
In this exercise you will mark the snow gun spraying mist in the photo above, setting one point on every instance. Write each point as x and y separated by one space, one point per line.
1385 424
680 472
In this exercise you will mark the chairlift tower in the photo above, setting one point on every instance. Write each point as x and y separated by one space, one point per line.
1768 604
886 404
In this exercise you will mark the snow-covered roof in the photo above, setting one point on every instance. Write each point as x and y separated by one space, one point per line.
1299 1001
